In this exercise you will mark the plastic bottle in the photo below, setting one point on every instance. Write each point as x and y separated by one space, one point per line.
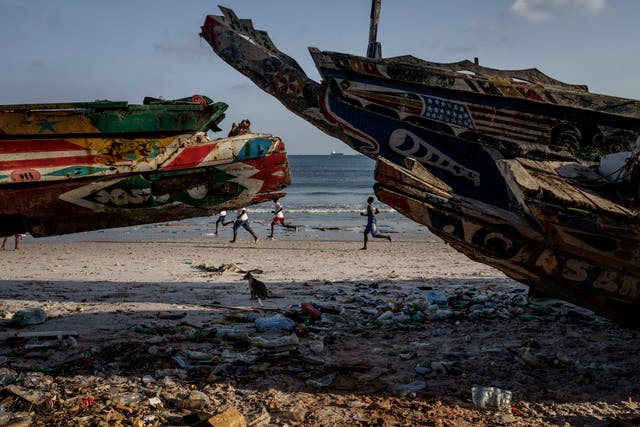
275 323
286 342
312 311
127 398
7 376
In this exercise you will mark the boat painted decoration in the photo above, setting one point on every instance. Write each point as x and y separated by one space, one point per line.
518 112
155 116
195 176
470 133
52 142
457 119
521 107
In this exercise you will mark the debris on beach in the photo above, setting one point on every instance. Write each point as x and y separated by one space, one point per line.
225 268
362 352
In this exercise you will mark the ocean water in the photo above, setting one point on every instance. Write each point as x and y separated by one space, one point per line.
325 199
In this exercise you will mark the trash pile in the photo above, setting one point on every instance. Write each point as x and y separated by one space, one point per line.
348 350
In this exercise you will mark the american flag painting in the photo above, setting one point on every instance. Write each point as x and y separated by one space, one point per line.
446 111
510 125
496 122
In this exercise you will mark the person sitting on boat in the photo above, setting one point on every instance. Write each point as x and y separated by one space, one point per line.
372 225
234 130
244 127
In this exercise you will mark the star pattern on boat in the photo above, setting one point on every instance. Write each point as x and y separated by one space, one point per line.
446 111
47 126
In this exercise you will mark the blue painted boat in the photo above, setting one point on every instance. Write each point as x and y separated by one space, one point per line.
474 131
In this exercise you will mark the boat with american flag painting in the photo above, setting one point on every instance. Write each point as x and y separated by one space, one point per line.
474 131
457 119
75 167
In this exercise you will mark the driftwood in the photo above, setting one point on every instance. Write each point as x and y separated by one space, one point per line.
242 308
225 268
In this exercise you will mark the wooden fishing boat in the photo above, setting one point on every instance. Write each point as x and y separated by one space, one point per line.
469 133
198 178
51 142
519 112
454 118
157 117
74 167
577 244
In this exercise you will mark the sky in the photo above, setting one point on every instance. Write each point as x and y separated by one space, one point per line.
83 50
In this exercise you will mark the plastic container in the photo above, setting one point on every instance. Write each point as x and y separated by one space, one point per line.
491 397
612 165
29 316
285 324
435 297
196 400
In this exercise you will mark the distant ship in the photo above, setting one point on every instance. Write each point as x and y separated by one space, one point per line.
337 153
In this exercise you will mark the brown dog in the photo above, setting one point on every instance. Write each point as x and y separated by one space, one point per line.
258 288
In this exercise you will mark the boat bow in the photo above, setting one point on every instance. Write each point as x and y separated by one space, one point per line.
252 52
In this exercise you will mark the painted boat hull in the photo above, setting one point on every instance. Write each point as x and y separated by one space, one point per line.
197 177
518 246
119 119
517 112
57 142
541 117
458 130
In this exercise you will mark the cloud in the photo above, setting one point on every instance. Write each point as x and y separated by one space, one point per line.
541 11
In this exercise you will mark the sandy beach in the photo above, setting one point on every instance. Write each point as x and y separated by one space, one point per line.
153 318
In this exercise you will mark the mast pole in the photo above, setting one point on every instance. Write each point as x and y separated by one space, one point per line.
374 50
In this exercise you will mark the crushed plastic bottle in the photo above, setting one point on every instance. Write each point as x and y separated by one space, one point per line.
491 397
127 398
385 316
323 381
7 376
286 342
